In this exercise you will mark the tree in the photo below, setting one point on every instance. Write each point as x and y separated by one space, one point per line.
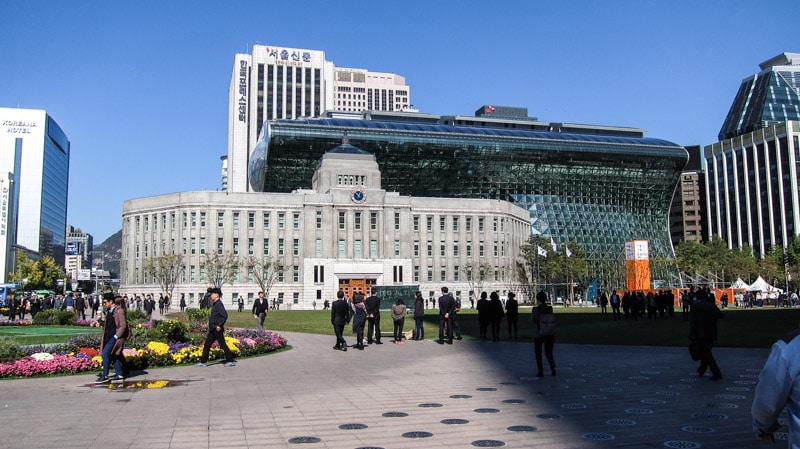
742 264
220 268
265 272
576 267
39 274
475 273
165 270
691 257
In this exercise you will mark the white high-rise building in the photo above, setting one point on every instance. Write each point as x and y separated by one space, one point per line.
291 83
34 173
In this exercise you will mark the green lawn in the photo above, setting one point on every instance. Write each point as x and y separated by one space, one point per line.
751 328
34 335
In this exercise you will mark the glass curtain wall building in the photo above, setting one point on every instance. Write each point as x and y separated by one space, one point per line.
596 190
752 172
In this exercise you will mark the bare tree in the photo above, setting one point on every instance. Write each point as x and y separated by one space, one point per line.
265 272
165 270
475 273
220 268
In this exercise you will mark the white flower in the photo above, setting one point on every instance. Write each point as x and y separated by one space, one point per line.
42 356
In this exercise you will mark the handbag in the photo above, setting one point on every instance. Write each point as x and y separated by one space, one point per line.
695 350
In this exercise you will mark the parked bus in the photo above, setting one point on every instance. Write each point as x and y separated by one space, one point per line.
5 291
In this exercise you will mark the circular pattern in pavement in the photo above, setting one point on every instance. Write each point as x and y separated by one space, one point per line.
611 390
549 416
573 406
302 440
730 397
488 443
621 422
522 429
598 436
721 405
681 444
737 388
460 396
454 421
596 397
513 401
639 411
708 416
353 426
668 393
653 401
486 389
486 410
395 414
417 434
430 405
697 429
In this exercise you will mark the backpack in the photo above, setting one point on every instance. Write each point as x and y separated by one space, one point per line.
547 322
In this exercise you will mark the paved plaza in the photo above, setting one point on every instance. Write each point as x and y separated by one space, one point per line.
417 395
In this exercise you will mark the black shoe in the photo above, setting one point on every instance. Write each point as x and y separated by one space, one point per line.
378 342
440 342
117 378
336 347
449 342
540 374
458 338
715 377
344 348
102 380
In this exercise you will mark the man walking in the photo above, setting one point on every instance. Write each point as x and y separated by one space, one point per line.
340 316
260 307
703 318
115 330
373 305
216 330
446 309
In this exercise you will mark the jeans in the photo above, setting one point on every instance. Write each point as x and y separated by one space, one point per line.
107 357
419 330
398 329
261 318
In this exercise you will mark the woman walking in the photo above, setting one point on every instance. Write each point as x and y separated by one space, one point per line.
399 318
359 319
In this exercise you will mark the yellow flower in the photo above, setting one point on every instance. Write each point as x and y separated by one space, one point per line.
158 347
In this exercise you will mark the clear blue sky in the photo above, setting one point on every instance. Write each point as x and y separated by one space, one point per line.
141 87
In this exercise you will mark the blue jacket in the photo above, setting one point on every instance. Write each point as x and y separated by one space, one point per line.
779 386
218 316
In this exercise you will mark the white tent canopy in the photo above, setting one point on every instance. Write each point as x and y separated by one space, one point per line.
760 285
740 284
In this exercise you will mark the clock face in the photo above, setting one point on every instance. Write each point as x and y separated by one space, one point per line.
358 196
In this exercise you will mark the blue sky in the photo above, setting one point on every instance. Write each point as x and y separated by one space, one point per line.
141 87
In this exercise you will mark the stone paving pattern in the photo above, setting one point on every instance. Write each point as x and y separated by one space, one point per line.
417 395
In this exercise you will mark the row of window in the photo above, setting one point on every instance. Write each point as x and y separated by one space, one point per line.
193 219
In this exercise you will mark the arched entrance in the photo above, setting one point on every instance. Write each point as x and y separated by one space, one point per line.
352 286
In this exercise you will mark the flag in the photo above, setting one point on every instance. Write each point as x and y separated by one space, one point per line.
569 253
553 244
542 251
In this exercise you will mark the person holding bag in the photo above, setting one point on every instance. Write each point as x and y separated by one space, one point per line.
115 332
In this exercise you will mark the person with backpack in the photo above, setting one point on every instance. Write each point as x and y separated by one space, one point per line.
544 323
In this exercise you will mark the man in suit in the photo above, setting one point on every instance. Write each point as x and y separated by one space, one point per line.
260 307
373 305
703 318
447 307
340 316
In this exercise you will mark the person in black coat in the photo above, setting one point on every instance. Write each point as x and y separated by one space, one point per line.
447 307
373 306
216 330
340 316
703 318
496 314
512 315
359 319
483 315
260 308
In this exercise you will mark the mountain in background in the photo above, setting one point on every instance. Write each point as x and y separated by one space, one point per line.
108 254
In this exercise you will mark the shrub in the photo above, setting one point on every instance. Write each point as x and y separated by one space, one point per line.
135 316
198 316
173 330
83 341
54 317
10 350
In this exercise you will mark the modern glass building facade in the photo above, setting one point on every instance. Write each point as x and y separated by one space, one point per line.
596 190
752 172
766 98
34 155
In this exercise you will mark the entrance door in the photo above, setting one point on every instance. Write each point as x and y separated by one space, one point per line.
352 286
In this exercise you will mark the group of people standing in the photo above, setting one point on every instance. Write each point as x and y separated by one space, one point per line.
491 313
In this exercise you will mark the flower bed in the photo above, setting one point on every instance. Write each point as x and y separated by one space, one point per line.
81 354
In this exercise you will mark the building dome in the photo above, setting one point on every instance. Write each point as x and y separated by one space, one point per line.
346 148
